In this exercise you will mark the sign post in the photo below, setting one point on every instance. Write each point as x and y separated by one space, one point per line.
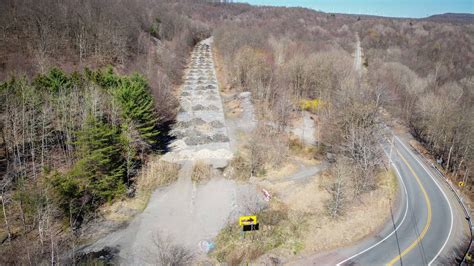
248 223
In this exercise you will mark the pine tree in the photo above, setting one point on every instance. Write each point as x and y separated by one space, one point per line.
102 163
53 81
133 95
105 78
137 106
98 175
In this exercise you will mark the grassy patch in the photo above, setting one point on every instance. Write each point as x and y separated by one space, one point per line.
240 167
388 181
298 148
201 171
279 228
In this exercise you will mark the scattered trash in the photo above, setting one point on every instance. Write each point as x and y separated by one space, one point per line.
266 194
206 246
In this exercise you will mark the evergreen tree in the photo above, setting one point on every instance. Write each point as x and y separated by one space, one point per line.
99 147
99 174
53 81
105 78
137 106
133 95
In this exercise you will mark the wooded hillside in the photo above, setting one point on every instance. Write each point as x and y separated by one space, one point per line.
87 93
420 70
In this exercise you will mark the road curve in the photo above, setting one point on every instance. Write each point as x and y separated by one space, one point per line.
426 228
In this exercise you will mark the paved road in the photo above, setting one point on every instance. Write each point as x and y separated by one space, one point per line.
428 226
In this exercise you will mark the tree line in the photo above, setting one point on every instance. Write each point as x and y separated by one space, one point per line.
86 133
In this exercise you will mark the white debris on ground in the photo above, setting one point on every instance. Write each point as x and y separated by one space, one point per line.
306 131
245 122
200 131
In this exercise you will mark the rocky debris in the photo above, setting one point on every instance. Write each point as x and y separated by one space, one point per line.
105 256
181 110
200 132
212 97
212 108
184 133
220 138
216 124
331 157
193 122
198 139
199 107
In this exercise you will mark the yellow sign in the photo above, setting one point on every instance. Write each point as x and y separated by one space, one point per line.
246 220
461 184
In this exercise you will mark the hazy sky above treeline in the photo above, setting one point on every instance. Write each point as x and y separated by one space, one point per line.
388 8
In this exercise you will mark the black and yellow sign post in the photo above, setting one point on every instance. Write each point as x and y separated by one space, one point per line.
249 223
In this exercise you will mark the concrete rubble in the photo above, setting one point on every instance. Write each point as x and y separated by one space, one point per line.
201 132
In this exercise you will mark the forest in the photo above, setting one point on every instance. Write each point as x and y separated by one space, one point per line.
86 96
88 92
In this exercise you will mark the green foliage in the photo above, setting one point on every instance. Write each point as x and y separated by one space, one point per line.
137 106
98 175
53 81
105 78
133 96
28 194
105 148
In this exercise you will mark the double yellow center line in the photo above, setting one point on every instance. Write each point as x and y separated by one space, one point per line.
428 222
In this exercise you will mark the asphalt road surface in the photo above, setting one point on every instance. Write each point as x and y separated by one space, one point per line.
428 227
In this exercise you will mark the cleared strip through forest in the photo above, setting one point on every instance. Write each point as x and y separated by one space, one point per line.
200 130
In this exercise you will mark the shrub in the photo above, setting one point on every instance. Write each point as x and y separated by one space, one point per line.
201 171
241 169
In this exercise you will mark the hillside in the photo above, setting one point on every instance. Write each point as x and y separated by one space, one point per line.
453 18
100 101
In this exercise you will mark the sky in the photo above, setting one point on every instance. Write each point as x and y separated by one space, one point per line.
387 8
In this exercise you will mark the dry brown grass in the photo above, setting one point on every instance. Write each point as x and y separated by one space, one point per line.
240 167
201 171
298 148
280 228
362 218
286 169
154 174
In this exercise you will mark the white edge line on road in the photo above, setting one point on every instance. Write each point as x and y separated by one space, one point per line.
442 191
403 219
